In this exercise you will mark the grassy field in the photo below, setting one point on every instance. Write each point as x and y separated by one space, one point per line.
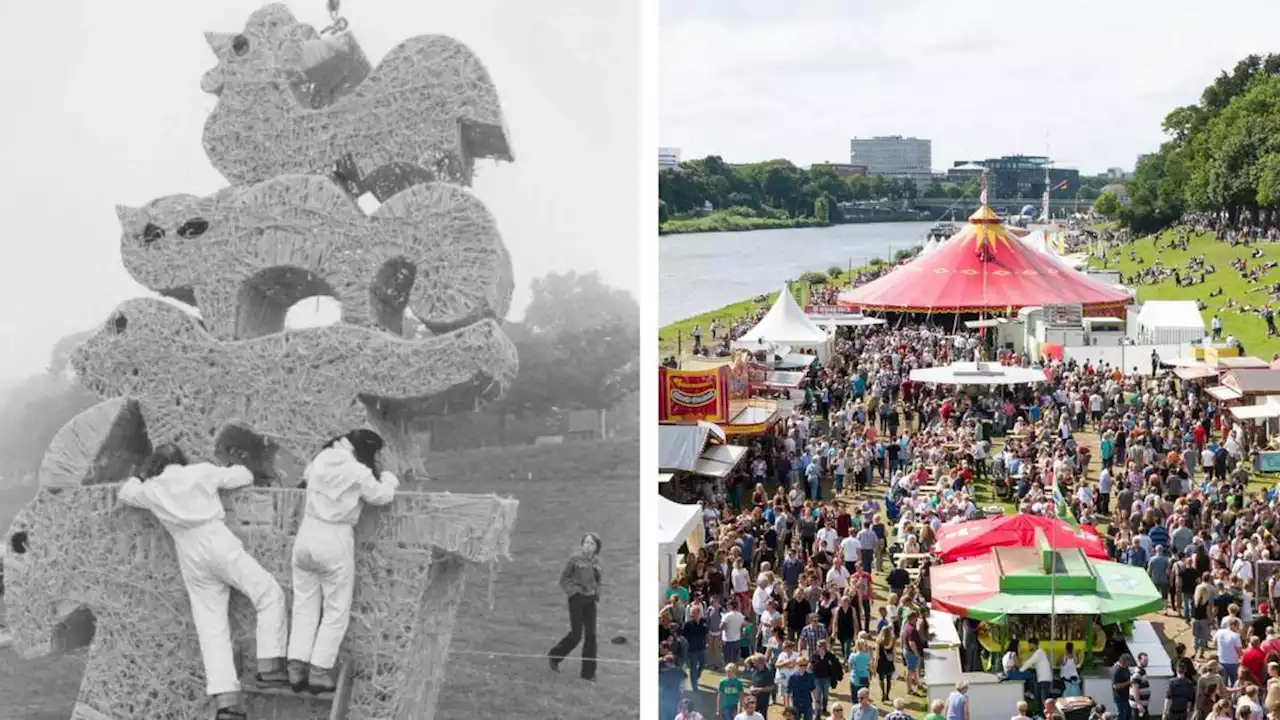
575 488
1248 328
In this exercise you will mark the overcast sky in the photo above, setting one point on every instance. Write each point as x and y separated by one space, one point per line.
753 80
103 105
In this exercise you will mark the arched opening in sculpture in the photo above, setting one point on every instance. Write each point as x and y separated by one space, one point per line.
389 292
265 299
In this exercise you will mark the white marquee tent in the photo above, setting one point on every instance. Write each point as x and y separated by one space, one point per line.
1170 322
677 524
784 324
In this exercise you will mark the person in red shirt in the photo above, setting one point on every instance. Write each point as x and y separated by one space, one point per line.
1254 659
1201 434
944 412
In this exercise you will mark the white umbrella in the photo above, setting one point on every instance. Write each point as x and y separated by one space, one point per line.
971 373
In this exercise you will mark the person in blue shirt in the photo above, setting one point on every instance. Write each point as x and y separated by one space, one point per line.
800 691
813 473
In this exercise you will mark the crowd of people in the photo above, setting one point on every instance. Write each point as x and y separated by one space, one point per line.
795 598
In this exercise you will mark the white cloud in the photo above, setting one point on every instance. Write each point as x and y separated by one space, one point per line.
752 80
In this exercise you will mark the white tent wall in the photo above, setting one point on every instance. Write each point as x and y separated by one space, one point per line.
1164 322
1125 356
677 524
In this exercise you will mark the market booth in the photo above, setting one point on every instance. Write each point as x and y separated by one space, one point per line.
725 394
1057 596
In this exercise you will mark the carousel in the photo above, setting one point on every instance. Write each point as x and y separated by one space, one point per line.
1054 595
977 538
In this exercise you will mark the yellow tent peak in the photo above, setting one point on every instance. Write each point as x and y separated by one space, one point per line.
984 215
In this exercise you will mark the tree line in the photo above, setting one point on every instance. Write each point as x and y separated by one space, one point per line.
780 189
1222 154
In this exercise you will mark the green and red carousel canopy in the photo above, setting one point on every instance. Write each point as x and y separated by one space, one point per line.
1042 581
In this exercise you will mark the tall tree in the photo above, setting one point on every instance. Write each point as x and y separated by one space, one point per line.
576 301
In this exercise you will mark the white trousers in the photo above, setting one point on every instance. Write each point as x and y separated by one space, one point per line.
213 561
324 571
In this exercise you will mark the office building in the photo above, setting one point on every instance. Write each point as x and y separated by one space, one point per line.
894 156
1022 176
668 157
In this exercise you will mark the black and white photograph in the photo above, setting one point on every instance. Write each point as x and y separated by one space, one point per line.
320 390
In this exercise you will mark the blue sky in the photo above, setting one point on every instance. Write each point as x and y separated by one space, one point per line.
1091 81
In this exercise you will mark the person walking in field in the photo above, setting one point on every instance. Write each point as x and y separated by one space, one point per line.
342 476
185 499
580 581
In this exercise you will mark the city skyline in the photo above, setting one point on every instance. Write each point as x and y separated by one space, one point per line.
737 83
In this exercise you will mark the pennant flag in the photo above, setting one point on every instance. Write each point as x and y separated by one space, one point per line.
1061 508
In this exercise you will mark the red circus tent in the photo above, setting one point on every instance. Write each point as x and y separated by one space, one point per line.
961 541
983 268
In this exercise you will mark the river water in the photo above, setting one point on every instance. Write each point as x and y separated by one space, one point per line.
703 271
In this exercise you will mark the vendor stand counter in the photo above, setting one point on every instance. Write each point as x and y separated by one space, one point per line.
989 699
1143 639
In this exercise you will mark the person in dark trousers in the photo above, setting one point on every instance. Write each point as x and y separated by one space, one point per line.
800 691
1121 678
580 581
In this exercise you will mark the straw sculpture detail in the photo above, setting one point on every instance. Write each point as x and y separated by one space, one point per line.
294 389
427 111
103 444
244 256
85 550
234 386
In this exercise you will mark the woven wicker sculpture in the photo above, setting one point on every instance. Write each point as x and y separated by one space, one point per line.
246 255
236 386
294 389
425 113
83 549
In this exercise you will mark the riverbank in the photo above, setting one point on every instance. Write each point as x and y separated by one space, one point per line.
679 334
724 222
718 222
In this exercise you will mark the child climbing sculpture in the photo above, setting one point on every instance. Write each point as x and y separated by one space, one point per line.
342 475
185 499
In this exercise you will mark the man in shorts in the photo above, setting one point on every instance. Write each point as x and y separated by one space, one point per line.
912 651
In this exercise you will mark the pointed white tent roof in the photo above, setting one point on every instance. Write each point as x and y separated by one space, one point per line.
678 524
929 246
1036 240
784 324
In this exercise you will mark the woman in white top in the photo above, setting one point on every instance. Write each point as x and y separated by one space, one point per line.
740 578
185 499
341 476
1070 673
788 664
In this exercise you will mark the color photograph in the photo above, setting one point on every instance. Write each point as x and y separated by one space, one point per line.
968 372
